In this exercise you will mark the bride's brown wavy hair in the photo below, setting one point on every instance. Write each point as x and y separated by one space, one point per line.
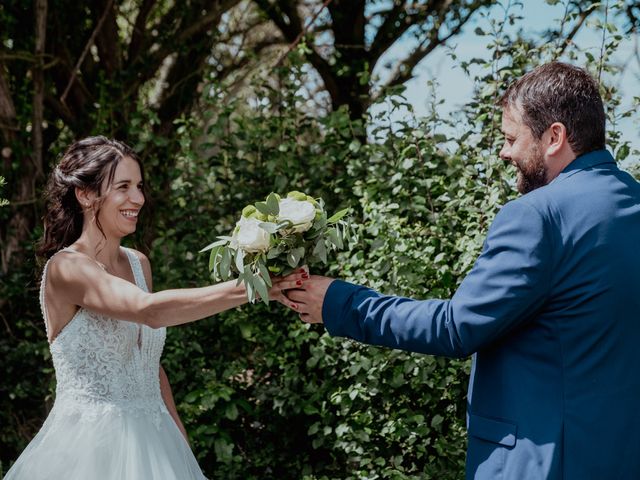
85 165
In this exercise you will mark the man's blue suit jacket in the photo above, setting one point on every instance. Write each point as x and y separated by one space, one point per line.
551 310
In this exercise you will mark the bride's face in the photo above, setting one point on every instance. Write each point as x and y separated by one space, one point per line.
123 199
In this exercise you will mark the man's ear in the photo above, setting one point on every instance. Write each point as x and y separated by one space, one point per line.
556 138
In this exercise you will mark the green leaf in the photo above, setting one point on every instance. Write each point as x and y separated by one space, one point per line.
320 251
274 253
273 205
231 412
623 152
436 420
262 207
261 288
225 264
213 257
251 291
265 274
240 260
294 256
285 224
213 245
269 227
339 215
334 236
320 223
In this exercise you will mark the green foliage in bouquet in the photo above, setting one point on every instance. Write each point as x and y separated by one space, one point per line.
274 237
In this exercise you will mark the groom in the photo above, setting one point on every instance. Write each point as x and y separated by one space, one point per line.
551 308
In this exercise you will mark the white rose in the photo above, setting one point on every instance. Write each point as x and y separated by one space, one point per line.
299 212
250 237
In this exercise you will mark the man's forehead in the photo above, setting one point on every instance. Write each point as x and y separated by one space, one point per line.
511 118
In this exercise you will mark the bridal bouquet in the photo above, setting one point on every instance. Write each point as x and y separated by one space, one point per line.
275 237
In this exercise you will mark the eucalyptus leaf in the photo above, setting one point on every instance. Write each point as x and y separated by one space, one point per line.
265 274
261 288
320 251
251 291
269 227
320 223
284 224
213 245
262 208
313 235
273 205
240 260
339 215
225 264
274 252
213 257
294 256
334 236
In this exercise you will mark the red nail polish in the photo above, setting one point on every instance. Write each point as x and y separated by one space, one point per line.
299 282
294 306
304 275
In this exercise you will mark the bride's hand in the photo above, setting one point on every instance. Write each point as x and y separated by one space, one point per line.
289 282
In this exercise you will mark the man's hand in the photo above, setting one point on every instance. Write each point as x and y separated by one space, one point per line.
281 284
307 300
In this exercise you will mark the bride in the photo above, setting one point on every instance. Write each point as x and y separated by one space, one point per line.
114 416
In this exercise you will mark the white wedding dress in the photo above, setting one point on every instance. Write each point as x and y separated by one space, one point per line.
108 420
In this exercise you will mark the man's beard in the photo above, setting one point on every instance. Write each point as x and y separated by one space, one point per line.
532 172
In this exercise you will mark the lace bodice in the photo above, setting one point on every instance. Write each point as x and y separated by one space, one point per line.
103 363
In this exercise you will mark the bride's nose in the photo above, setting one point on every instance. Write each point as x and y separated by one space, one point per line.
136 196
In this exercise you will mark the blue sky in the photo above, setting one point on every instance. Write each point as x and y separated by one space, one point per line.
455 88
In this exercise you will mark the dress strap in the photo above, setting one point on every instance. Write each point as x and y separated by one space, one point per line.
136 267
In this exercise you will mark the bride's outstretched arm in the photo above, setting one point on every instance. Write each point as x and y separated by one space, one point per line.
79 280
167 396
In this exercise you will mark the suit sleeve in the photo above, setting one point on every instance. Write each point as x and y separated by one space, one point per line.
506 287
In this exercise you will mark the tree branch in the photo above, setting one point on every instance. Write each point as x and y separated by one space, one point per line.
108 40
302 33
291 28
7 109
388 33
206 21
154 61
576 28
404 70
76 70
139 30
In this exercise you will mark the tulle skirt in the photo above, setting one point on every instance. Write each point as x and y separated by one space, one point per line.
107 444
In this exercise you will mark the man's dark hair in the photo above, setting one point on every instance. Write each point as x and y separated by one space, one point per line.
559 92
